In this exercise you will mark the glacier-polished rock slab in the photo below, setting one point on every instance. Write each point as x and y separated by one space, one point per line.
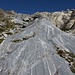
33 51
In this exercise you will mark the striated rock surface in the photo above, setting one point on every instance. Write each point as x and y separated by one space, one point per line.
34 51
32 45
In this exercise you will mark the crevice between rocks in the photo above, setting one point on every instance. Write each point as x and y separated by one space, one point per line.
68 56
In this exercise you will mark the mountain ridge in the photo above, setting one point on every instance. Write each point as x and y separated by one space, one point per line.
65 20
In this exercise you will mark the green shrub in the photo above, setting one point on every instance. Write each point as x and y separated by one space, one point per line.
1 40
9 24
73 67
1 30
17 41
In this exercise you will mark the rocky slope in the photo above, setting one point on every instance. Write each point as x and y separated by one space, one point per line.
35 45
12 22
65 20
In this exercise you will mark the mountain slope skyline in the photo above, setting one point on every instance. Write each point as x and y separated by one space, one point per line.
39 44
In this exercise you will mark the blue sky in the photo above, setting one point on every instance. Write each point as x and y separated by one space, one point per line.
32 6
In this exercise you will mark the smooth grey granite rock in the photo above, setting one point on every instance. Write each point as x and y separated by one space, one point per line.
33 51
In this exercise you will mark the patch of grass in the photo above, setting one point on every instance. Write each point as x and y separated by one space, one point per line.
17 41
1 40
1 16
9 24
72 55
2 30
9 33
22 39
73 67
69 56
25 38
60 52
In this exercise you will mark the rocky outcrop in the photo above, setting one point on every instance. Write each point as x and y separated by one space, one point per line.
65 20
35 51
37 44
10 20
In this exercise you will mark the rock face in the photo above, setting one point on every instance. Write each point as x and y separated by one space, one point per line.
36 46
65 20
12 22
34 51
